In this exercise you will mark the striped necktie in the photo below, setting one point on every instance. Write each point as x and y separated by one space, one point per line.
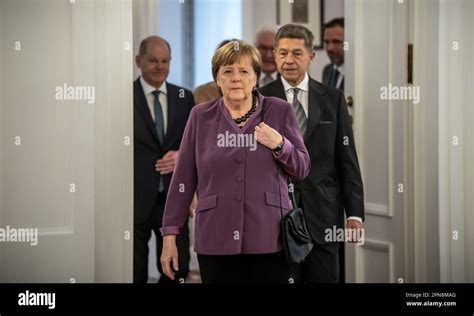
300 115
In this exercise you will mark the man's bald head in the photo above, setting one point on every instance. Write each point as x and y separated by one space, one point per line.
153 59
155 40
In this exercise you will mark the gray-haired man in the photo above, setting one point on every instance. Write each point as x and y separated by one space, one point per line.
334 184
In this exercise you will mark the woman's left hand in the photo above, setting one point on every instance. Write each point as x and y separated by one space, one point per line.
267 136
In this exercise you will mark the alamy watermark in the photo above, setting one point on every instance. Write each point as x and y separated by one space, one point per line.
37 299
335 234
237 140
10 234
392 92
65 92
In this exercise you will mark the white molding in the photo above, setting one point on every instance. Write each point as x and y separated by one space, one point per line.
354 59
409 156
416 248
358 92
444 123
55 231
390 115
378 209
398 135
454 97
375 245
127 151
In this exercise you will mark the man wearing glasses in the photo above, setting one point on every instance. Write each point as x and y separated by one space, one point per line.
264 43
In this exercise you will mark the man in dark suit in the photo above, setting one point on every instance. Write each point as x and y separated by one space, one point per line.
333 73
334 183
160 114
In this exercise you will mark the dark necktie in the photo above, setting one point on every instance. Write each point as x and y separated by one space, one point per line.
160 128
159 121
334 77
299 112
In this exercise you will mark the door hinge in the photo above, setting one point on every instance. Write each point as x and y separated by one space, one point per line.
410 64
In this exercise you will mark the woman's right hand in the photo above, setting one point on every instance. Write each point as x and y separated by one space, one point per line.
169 256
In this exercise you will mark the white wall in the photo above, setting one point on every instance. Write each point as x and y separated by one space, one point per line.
425 223
255 14
64 142
442 172
144 24
456 179
114 127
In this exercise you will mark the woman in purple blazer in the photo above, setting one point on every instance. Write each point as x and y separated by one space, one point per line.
236 153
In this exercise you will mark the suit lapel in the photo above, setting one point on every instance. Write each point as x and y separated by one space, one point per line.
279 90
143 109
314 107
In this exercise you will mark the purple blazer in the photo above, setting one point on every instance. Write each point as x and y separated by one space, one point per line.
236 179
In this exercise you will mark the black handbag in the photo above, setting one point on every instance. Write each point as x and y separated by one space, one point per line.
297 240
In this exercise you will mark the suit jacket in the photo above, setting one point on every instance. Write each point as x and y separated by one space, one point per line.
147 148
238 186
334 182
327 75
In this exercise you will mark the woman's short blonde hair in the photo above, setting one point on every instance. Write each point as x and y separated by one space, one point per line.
232 52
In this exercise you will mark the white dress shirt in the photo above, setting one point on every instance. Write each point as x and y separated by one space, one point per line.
150 99
303 94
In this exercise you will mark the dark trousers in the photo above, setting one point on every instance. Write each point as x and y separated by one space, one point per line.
246 268
321 265
342 262
141 237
